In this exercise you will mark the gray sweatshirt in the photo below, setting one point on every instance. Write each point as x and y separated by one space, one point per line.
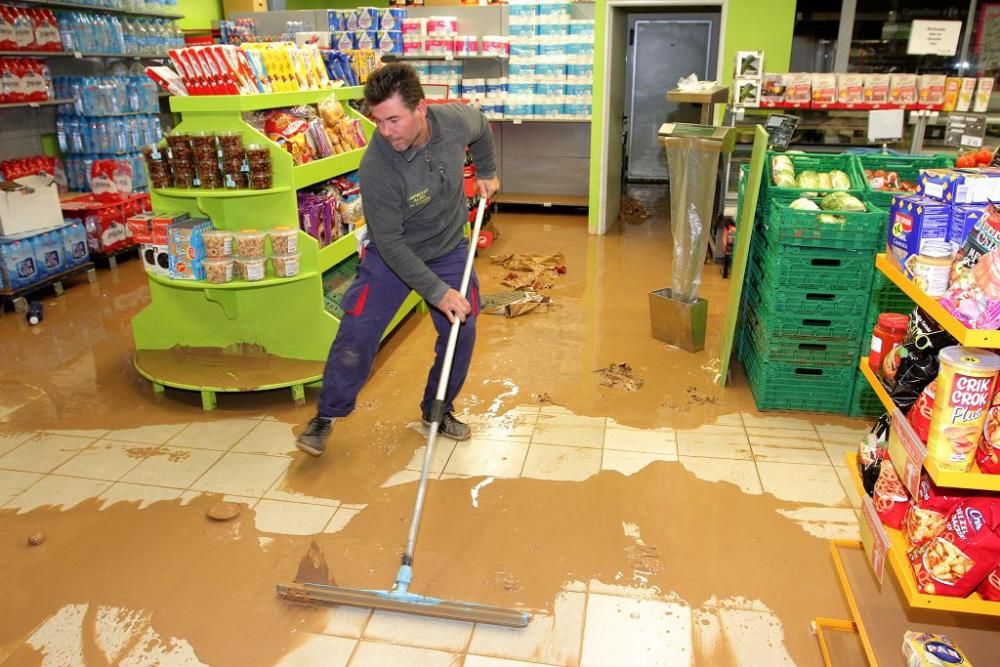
414 201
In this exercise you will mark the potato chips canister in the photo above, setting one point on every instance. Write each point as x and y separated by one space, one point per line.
964 387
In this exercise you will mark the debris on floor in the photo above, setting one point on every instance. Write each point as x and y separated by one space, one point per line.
698 398
620 375
36 539
632 211
514 303
530 272
223 511
543 398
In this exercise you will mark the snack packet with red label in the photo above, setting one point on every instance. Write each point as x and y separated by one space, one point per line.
926 518
988 450
890 496
291 133
919 415
956 562
990 588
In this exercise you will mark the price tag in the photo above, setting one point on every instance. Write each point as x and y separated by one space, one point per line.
907 452
517 121
874 538
965 130
967 140
885 124
449 56
780 128
77 54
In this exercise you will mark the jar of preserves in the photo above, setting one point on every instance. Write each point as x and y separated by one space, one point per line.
886 337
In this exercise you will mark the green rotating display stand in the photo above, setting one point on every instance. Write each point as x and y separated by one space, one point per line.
247 336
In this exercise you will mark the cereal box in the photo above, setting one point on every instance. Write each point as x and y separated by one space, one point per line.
951 87
963 219
922 649
960 186
984 89
876 88
824 88
965 94
913 221
850 88
903 88
930 89
798 87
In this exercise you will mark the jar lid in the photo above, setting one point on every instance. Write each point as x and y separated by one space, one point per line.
282 230
970 359
893 320
937 249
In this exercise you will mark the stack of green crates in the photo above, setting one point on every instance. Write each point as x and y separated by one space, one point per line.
807 293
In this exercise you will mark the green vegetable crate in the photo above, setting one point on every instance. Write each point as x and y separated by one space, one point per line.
797 386
815 162
907 167
852 230
864 401
812 267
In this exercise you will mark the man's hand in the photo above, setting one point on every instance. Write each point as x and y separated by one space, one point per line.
454 305
487 187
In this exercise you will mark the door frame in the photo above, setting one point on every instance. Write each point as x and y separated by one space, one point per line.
632 21
608 141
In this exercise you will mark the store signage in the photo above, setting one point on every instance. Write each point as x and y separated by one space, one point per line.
874 538
907 452
965 130
936 38
780 128
884 124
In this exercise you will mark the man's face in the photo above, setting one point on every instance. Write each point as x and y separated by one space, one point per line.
397 124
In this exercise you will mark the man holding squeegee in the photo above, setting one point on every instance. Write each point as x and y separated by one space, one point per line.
415 208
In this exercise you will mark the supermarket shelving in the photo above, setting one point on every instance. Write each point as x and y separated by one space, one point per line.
45 103
96 9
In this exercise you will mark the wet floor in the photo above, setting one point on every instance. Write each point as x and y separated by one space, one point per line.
669 525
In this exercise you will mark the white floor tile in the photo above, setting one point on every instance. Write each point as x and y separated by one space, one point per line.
105 459
268 437
320 651
846 435
741 473
403 477
838 451
340 519
176 467
278 492
148 435
802 483
13 483
489 458
43 452
766 437
850 490
569 431
246 501
483 661
551 639
219 435
345 621
510 426
62 492
442 452
623 631
629 463
782 454
751 420
826 523
277 516
9 441
242 474
723 442
373 654
641 440
91 433
755 638
573 464
143 494
732 419
420 631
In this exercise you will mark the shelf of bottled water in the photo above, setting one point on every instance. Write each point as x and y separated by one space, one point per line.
78 170
138 6
107 136
86 32
107 95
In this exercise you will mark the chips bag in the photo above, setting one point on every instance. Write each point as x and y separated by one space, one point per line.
957 561
926 518
990 587
988 451
913 365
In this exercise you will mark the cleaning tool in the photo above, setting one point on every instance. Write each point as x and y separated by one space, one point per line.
399 598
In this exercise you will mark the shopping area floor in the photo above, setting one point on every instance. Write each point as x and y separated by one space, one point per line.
671 525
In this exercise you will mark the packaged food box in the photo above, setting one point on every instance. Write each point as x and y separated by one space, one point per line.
930 89
922 649
965 94
160 225
49 253
185 269
903 88
798 87
960 186
74 238
140 226
773 88
876 88
963 219
850 88
156 259
913 221
749 63
951 87
17 262
824 88
187 249
746 92
984 89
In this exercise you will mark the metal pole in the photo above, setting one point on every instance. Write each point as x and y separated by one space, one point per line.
845 33
963 63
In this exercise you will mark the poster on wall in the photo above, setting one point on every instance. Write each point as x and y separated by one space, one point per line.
936 38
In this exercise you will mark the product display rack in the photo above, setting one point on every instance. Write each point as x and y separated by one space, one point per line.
82 54
247 336
44 103
96 9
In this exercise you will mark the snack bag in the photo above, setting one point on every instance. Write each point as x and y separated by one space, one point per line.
291 133
990 588
111 180
926 518
890 496
910 367
988 450
957 561
922 649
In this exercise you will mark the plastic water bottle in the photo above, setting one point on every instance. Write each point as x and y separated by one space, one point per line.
34 314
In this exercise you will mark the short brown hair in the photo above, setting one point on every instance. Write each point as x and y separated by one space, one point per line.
393 79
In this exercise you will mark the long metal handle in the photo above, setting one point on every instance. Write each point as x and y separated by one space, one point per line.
442 389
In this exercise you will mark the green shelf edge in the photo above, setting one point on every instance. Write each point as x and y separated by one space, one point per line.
196 193
313 172
230 103
223 390
337 252
234 285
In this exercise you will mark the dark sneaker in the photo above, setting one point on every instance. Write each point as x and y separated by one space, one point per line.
313 439
451 427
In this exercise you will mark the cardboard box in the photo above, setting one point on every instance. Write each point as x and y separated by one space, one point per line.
960 186
243 6
876 88
29 204
155 259
140 226
773 88
930 89
913 221
850 88
49 252
951 87
963 218
965 94
903 88
17 262
984 89
798 87
824 88
750 64
187 249
74 239
746 92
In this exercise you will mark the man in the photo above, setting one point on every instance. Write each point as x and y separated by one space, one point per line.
415 207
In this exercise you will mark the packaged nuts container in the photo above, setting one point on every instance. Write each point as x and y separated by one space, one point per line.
259 156
218 269
285 266
231 144
250 243
218 243
284 240
259 181
251 268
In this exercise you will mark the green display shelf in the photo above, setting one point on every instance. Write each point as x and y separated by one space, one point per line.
247 336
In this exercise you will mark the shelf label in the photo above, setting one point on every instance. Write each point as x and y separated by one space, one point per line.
907 452
965 130
77 55
873 537
449 57
779 127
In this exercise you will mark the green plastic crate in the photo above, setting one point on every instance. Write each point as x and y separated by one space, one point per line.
800 349
907 166
810 300
804 266
798 387
885 298
864 401
857 231
820 162
787 323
